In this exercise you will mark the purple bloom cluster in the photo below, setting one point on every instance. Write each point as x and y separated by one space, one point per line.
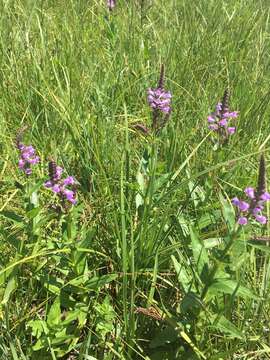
219 120
159 99
59 185
28 158
111 4
251 208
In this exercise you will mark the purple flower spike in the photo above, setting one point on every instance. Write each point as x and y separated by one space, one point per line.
28 156
253 208
221 118
59 185
232 115
48 184
56 188
256 210
159 99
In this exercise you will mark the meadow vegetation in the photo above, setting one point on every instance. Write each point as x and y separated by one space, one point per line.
123 229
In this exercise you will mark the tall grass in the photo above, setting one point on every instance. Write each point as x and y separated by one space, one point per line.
150 263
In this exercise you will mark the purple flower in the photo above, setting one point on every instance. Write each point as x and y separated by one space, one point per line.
69 181
243 206
261 219
159 99
111 4
220 119
69 194
231 130
235 201
28 157
213 127
251 208
59 185
242 220
223 122
250 192
265 196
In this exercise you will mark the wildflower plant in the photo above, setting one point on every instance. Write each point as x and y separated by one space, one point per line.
220 121
252 207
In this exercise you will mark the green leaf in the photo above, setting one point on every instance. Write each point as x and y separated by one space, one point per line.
54 315
228 286
10 288
79 256
10 215
199 252
31 214
263 248
52 284
226 326
38 327
165 336
227 212
97 282
183 277
191 302
212 242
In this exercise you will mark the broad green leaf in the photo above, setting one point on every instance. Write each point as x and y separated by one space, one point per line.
52 284
97 282
199 252
10 288
13 351
54 315
228 286
38 327
182 275
11 215
227 212
165 336
263 248
226 326
62 339
31 214
191 302
212 242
